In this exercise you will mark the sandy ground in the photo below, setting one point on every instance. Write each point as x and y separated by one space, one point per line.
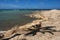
54 20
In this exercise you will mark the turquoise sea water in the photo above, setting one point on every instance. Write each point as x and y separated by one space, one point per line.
10 18
11 14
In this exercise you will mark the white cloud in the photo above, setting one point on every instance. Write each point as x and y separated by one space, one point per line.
9 5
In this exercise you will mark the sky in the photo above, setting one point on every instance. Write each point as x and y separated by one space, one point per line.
29 4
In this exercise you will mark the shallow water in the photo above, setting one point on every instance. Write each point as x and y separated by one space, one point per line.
10 18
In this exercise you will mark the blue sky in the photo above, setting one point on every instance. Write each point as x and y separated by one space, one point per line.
29 4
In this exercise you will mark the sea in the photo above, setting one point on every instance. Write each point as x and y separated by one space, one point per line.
12 17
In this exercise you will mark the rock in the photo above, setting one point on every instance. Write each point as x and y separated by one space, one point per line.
54 20
1 35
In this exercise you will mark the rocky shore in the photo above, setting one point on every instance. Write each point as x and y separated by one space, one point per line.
53 20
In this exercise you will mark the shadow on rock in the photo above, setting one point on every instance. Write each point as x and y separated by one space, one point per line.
43 30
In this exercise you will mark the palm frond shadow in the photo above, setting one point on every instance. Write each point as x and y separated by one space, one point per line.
43 30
